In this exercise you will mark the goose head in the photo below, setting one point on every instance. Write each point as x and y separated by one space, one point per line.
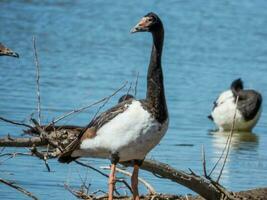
149 23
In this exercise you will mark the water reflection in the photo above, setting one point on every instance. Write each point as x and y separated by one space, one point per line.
240 140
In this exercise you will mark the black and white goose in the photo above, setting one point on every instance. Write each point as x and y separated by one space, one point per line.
129 130
4 51
248 108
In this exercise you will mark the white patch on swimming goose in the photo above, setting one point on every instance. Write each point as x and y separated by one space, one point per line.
223 114
131 134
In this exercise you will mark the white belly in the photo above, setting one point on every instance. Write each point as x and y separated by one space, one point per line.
131 134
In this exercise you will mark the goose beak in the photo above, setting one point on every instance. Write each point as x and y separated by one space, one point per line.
13 54
9 52
141 26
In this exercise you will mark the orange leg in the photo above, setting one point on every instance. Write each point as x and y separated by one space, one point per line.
134 182
112 181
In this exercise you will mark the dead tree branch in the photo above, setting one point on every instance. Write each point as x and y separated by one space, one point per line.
198 184
22 142
16 123
22 190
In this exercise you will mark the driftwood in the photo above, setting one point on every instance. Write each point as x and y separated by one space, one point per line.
257 194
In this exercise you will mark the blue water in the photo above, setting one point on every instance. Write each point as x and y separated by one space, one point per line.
86 52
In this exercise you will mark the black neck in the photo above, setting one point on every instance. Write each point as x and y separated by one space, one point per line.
155 88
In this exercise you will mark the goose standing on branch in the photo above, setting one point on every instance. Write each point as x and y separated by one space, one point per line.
128 131
4 51
248 108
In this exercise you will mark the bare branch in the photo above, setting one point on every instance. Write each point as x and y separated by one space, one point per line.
42 156
16 123
22 142
37 79
229 143
204 162
79 194
107 99
196 183
136 83
44 135
102 173
86 107
22 190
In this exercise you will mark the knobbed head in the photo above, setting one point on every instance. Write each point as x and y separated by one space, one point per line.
149 23
4 51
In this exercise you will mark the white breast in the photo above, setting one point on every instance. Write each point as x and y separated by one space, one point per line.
131 134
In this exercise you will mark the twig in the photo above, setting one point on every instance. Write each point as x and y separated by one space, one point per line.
136 83
42 156
102 173
229 144
129 89
204 162
22 190
16 123
85 107
106 101
12 155
150 189
44 135
78 194
221 156
37 79
89 166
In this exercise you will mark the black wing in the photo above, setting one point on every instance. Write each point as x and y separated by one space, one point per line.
97 123
249 103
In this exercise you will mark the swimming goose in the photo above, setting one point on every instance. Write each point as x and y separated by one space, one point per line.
248 108
4 51
129 130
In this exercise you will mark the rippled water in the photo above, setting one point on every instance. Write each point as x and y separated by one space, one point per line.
86 52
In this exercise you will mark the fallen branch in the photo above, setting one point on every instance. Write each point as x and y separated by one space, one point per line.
22 142
198 184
